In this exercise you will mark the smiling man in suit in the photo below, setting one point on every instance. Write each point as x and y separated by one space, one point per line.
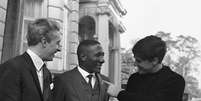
26 77
84 82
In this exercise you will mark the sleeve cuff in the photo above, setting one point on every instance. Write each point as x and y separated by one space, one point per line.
121 94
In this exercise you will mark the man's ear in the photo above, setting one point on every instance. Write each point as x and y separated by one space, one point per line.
83 57
43 42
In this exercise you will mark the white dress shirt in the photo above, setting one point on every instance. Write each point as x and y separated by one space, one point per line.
85 74
38 63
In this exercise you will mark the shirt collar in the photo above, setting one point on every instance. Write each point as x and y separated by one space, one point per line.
83 72
37 61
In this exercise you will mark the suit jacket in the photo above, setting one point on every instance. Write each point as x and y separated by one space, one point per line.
71 86
19 80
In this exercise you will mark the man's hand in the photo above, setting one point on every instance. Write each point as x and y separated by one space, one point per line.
113 90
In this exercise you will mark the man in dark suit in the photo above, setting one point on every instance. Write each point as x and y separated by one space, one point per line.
26 77
84 82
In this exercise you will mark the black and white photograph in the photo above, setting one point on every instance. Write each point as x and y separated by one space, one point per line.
100 50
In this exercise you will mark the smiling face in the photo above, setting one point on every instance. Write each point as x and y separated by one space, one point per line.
149 53
143 66
146 66
52 47
93 58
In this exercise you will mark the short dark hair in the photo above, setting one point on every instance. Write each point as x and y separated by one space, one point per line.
149 48
41 28
85 43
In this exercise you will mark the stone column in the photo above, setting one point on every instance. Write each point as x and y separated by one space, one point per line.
65 34
117 61
103 34
3 8
73 33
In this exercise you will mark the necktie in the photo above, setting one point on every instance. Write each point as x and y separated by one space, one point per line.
46 83
90 78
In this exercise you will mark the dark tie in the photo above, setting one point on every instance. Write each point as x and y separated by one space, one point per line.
46 83
90 78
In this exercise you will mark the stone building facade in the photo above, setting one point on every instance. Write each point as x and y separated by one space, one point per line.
79 19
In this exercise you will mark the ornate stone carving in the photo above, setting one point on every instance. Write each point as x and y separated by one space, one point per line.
87 11
103 11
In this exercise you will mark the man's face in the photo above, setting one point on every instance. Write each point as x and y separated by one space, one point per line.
53 46
144 66
94 58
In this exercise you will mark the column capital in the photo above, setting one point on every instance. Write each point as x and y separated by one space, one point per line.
102 2
103 10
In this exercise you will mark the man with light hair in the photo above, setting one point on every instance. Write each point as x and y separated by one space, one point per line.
26 77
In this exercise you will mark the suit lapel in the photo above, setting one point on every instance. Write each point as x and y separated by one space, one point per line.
32 70
80 84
